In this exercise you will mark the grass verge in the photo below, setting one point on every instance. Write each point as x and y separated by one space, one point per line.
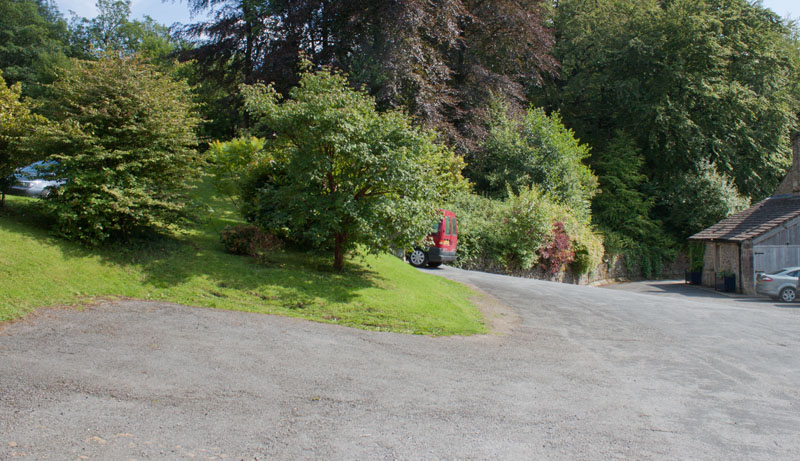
378 293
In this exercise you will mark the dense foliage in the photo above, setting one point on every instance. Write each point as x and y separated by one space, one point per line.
340 174
533 148
232 165
440 60
33 42
248 240
124 141
680 84
639 120
17 123
525 231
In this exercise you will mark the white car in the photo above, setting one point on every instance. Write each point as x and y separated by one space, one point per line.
34 180
780 284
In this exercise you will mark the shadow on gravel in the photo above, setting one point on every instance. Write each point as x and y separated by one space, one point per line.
678 288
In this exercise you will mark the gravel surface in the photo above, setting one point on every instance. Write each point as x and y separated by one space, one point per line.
575 373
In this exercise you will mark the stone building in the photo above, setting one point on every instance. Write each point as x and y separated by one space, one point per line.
762 238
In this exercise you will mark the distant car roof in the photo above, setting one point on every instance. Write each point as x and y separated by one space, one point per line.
34 169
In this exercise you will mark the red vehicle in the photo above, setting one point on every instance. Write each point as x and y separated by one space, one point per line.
442 243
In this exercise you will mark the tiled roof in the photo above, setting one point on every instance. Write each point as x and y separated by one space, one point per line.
754 221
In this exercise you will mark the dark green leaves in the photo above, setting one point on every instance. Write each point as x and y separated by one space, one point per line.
344 174
125 143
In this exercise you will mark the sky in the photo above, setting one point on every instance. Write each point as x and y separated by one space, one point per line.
166 13
173 11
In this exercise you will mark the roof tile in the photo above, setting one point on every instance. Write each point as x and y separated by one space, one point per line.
754 221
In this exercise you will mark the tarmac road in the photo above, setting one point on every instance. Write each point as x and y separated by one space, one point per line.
642 372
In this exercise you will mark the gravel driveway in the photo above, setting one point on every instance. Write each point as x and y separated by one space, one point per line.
576 373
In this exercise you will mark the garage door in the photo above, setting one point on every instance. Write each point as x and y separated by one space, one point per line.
772 257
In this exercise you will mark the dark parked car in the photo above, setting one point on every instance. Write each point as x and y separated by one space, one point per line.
442 243
34 180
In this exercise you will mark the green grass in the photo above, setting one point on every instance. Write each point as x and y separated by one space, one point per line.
376 293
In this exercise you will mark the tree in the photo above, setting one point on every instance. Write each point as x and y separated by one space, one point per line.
17 123
124 141
621 205
113 31
532 149
440 60
692 82
344 174
33 41
701 198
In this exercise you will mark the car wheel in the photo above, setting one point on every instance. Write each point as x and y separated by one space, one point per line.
788 295
418 258
434 264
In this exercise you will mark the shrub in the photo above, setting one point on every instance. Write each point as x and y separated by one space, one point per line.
478 237
697 252
248 240
700 198
533 149
587 244
124 141
230 162
513 233
556 251
16 125
525 226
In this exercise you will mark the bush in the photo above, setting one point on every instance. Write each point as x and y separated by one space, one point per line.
518 233
248 240
587 244
124 141
525 227
478 218
230 162
532 150
697 252
16 125
556 251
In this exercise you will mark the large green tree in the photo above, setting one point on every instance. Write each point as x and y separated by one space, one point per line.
33 41
124 141
342 174
692 82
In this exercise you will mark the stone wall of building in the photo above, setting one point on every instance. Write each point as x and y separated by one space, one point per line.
723 256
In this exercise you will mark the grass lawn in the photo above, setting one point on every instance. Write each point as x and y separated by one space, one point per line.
378 293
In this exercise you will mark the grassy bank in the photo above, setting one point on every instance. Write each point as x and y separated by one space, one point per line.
378 293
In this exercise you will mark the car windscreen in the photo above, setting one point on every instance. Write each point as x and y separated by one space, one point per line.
36 170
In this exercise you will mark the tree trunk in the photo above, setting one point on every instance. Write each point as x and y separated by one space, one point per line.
338 251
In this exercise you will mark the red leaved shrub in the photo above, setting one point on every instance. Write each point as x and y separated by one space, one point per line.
556 251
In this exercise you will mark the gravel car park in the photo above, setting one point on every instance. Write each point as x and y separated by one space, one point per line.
580 373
